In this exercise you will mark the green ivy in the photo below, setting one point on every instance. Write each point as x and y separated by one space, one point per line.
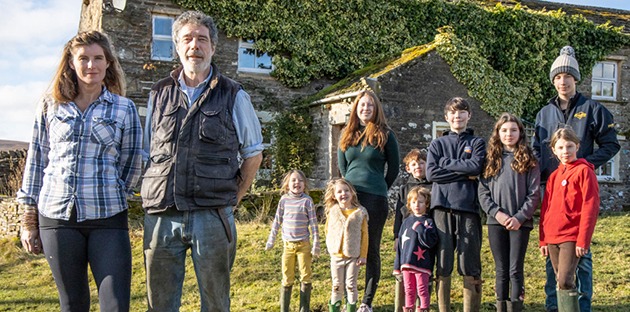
312 39
294 143
502 54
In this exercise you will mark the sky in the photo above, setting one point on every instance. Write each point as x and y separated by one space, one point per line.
33 33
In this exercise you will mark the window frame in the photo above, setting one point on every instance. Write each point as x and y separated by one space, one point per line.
614 167
614 80
168 38
438 127
245 44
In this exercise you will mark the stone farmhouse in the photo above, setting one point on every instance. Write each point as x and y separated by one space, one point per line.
413 88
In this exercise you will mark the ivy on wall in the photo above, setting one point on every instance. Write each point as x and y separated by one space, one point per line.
294 143
311 39
501 54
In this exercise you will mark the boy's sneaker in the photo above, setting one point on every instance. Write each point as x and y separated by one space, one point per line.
364 308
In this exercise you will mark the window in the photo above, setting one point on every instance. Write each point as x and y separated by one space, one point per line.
604 82
162 47
264 172
609 171
439 127
252 60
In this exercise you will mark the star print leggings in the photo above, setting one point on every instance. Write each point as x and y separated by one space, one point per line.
416 284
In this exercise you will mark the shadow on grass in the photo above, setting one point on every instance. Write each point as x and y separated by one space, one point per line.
23 303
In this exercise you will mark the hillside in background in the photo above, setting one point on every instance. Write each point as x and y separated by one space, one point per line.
8 145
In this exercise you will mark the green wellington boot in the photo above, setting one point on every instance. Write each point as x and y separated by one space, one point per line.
305 297
334 307
568 300
285 298
351 307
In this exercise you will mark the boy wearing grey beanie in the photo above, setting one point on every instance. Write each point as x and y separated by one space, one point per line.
593 124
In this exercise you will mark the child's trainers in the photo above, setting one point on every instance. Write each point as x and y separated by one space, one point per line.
364 308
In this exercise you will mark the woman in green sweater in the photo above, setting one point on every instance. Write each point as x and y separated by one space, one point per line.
368 158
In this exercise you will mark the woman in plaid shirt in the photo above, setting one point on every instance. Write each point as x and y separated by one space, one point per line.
83 161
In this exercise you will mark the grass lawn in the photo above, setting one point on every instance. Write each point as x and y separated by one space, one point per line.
27 285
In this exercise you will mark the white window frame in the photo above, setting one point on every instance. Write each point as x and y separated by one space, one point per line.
245 44
266 118
614 167
600 80
168 37
438 128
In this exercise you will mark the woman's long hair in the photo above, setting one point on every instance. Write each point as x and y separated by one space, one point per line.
65 85
329 196
524 158
376 130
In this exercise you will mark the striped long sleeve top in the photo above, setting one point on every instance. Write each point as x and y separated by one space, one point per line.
295 214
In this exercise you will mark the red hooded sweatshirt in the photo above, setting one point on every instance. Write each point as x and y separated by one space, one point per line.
570 205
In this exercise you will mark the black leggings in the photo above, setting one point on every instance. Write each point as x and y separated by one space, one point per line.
508 249
108 252
377 208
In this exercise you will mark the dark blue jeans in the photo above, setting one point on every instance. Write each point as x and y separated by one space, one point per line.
108 253
167 237
583 281
377 208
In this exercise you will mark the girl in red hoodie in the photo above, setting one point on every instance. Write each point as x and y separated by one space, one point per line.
568 214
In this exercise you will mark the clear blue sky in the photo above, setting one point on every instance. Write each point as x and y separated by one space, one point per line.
617 4
33 33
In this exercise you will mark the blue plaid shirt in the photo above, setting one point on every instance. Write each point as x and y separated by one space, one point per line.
85 160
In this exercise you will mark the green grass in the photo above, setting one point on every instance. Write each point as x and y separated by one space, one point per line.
27 285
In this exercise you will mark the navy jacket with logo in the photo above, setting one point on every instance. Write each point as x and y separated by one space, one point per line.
592 122
453 161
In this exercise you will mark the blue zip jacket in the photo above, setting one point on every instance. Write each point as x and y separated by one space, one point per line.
592 122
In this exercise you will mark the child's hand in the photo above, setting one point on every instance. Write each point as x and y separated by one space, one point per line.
268 246
396 244
502 218
361 261
315 254
512 224
579 251
544 251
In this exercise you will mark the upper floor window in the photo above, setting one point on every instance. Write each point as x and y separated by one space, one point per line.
252 60
604 81
162 47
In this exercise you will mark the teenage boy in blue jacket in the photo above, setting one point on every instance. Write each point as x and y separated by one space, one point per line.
594 125
453 163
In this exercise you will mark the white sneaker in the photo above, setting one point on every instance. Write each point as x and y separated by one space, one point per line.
364 308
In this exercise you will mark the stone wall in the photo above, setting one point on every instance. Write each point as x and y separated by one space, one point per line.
9 218
11 168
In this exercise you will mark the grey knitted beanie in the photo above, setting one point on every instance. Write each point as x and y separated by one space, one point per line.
565 63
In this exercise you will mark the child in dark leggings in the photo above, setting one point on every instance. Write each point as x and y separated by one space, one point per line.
509 192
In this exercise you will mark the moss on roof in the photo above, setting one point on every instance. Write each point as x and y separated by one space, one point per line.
354 81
